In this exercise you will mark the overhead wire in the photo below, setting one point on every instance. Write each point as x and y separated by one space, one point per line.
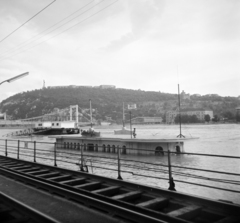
25 43
63 30
27 21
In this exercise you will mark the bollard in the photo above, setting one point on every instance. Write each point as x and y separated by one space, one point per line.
6 153
34 152
119 165
171 182
55 154
18 151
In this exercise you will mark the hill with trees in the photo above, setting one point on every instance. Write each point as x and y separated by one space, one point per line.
108 102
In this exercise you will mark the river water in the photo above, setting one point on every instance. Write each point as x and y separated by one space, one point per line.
218 139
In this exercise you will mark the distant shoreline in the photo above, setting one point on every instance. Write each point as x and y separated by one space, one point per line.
15 127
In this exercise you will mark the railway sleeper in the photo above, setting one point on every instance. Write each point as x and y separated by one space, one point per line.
38 172
89 186
61 177
3 161
21 168
154 204
132 195
108 191
31 169
10 165
74 181
49 175
187 212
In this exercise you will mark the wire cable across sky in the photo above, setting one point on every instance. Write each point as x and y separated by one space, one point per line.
26 21
65 30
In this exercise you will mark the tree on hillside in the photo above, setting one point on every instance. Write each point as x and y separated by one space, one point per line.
215 118
187 119
228 115
207 118
238 117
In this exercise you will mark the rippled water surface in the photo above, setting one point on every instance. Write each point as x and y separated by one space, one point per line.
221 139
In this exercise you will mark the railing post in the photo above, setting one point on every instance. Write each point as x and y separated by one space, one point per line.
34 152
55 154
6 153
119 164
82 160
18 151
171 182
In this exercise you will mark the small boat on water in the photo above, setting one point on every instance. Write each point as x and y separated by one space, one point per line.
90 133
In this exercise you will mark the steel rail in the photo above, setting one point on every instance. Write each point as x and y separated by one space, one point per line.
231 208
111 207
26 210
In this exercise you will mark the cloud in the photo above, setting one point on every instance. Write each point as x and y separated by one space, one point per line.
142 15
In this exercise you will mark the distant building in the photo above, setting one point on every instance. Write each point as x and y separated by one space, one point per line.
107 86
212 95
69 86
196 95
147 120
3 116
185 96
171 115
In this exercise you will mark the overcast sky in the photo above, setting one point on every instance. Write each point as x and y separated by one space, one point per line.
150 45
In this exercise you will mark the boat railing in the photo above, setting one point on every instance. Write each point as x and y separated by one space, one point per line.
163 169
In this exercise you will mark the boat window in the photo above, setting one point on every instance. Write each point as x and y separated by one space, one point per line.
78 146
113 148
108 148
84 147
96 147
67 145
74 145
64 145
124 150
103 148
90 147
159 151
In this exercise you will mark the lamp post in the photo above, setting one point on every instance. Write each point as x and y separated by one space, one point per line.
15 78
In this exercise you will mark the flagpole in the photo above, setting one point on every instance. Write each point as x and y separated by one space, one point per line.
123 116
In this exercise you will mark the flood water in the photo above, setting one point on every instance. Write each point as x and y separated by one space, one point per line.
219 139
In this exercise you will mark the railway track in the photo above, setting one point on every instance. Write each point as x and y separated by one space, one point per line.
13 211
126 201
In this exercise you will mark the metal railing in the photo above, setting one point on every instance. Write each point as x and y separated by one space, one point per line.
113 162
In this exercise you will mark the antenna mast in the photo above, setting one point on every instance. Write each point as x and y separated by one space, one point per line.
179 109
90 111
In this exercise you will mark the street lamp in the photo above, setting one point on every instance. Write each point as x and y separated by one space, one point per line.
15 78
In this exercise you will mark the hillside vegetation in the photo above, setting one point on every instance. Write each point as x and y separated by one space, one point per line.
108 102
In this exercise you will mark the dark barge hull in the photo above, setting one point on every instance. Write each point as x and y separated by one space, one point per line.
62 131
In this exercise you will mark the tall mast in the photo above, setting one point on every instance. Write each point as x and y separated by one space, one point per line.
123 116
90 111
179 114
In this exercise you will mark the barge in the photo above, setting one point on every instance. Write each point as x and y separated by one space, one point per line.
56 128
131 146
